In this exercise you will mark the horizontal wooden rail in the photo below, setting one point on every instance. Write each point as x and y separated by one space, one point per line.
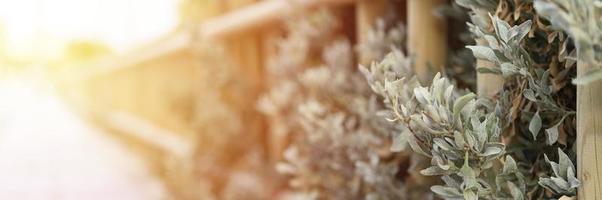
149 133
170 44
259 15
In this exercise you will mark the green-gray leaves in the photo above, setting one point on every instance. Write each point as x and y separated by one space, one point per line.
484 53
563 181
447 192
440 124
535 125
580 20
503 48
461 102
400 142
590 77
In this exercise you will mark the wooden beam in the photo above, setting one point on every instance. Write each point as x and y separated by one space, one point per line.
589 130
368 12
427 44
149 133
172 43
258 15
427 37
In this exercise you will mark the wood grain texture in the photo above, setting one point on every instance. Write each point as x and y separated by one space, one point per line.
427 38
589 134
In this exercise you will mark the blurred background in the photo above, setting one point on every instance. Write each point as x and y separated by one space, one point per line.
166 99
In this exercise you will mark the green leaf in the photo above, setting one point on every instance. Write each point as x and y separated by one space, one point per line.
400 142
459 139
509 69
446 192
493 149
509 166
422 95
552 135
564 162
590 77
461 102
470 195
415 146
520 31
553 165
501 28
433 171
552 132
535 125
492 41
484 53
442 144
529 94
516 193
573 182
468 174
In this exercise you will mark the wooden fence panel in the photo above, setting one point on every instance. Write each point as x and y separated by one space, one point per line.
589 130
427 37
367 13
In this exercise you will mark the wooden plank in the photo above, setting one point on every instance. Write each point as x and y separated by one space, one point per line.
427 43
589 132
367 13
246 52
277 138
427 37
257 15
170 44
149 133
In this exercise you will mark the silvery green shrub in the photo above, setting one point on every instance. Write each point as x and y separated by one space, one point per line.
481 149
455 131
339 146
580 19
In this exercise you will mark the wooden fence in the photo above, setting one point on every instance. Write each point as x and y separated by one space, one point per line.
157 84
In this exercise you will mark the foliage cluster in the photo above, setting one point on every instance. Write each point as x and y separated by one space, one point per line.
339 148
498 147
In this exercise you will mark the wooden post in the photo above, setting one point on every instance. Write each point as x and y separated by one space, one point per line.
278 137
367 13
427 37
488 85
427 44
246 53
589 130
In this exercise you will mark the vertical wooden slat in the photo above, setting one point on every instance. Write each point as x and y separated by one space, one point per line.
367 12
427 37
246 53
487 84
278 138
427 44
589 132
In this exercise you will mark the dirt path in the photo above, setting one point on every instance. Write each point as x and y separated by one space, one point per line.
47 152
